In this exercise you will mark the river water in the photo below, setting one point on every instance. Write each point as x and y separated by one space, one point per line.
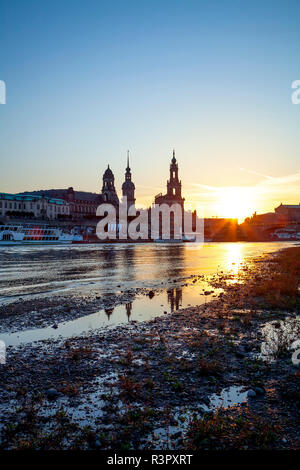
81 270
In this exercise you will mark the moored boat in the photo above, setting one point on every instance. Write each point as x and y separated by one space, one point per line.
29 234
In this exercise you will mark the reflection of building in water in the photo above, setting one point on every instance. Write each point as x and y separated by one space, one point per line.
127 263
175 298
128 310
170 261
109 312
109 256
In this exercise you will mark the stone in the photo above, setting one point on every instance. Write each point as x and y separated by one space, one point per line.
251 394
52 393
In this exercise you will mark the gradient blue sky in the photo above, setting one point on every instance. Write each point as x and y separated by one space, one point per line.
87 80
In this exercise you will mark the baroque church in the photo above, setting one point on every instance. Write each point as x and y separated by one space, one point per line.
109 193
173 187
172 196
83 205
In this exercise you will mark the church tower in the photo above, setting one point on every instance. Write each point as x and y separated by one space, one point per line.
173 187
108 188
173 195
128 187
173 184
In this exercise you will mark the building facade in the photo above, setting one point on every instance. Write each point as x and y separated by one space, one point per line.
82 208
32 206
289 213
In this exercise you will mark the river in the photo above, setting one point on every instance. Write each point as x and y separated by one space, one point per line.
82 270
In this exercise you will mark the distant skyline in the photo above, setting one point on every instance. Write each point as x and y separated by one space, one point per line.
85 81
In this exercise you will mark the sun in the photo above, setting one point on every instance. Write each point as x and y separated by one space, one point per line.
236 202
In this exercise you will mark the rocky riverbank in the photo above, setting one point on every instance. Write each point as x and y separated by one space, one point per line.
161 384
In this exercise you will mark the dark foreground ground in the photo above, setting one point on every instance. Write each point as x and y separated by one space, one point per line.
160 384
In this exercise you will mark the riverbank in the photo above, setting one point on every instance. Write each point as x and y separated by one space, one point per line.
161 384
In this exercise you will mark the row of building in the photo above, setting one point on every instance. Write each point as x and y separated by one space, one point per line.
33 206
284 213
79 206
75 205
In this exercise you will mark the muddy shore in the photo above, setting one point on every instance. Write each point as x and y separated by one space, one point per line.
161 384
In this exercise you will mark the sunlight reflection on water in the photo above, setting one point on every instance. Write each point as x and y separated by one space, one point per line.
106 270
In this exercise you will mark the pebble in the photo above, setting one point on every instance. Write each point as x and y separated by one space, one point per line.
52 393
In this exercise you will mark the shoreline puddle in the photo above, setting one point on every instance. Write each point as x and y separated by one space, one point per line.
229 397
141 308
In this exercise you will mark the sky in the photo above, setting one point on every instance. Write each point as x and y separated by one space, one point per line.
88 80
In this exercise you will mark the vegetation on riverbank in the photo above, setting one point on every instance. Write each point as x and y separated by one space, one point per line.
280 289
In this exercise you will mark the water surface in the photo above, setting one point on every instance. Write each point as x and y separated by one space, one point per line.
30 272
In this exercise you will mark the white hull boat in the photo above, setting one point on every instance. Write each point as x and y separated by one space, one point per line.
36 235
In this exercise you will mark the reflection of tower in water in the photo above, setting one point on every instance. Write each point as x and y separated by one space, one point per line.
175 298
128 310
109 312
128 263
170 261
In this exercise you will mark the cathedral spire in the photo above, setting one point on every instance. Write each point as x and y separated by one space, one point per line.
174 158
128 187
128 160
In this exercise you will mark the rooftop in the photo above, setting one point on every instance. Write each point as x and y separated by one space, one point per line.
289 206
31 197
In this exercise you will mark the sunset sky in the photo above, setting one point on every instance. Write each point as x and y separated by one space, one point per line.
87 80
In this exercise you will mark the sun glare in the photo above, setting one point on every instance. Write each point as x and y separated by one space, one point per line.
234 257
236 202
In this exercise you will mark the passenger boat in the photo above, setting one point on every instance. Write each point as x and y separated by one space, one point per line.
29 234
